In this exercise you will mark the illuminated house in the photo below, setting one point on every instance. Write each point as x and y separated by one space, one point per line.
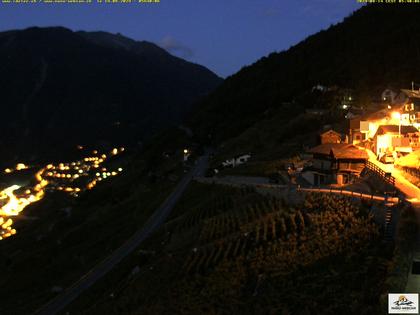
365 127
409 101
390 138
334 163
330 136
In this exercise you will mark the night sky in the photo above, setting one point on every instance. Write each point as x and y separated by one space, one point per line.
223 35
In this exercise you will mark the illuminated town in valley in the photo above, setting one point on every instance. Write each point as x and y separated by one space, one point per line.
219 157
70 177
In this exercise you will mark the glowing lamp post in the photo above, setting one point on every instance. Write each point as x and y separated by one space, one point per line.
186 154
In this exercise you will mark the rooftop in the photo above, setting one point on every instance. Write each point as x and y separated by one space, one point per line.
411 93
330 131
373 116
395 129
340 151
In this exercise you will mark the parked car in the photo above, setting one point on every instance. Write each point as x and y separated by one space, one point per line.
387 159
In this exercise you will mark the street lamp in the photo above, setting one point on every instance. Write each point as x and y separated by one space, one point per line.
186 155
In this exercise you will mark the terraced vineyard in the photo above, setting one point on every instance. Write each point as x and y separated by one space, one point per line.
274 239
234 243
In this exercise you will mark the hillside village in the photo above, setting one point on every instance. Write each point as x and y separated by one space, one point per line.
385 137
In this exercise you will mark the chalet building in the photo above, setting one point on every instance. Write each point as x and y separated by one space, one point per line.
401 97
390 138
407 96
334 163
409 103
330 136
364 127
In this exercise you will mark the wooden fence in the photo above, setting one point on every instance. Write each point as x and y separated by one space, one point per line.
387 177
412 171
350 193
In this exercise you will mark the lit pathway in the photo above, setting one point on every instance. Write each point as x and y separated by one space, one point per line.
412 193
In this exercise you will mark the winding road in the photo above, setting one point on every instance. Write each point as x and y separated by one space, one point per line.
71 293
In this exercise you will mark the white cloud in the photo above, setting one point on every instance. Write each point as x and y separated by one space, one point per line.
175 47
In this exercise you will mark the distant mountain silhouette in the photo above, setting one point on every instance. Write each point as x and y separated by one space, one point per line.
375 47
59 88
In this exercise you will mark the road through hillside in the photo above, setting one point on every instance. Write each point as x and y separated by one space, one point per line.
70 294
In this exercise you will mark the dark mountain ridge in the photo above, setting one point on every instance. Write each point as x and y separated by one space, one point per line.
60 88
374 48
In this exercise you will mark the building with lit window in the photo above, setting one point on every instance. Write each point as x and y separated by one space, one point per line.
409 101
334 163
395 138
